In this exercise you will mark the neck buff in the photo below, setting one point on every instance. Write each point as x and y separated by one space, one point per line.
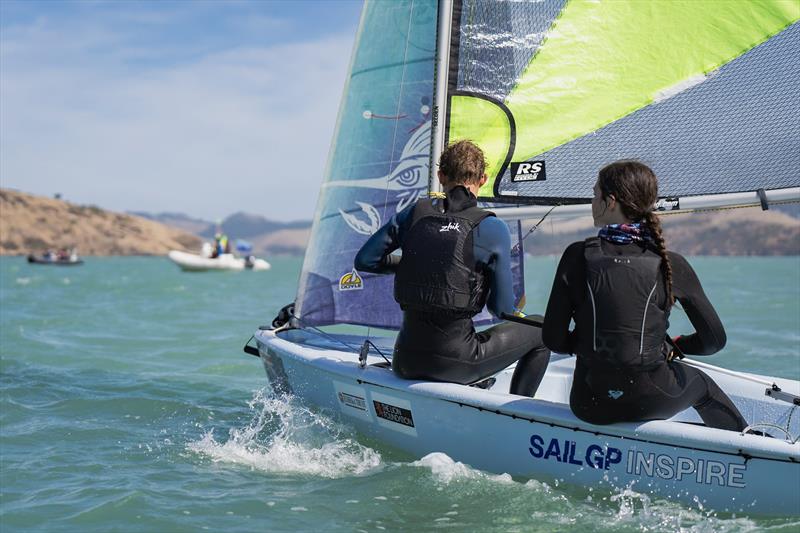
625 233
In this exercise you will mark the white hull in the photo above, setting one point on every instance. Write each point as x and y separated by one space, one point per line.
541 438
199 263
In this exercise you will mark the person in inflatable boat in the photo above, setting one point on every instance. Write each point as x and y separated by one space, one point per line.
619 288
456 258
221 245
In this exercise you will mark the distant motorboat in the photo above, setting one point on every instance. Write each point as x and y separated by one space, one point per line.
53 259
201 263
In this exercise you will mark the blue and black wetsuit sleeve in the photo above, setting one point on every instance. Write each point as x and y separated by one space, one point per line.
709 336
492 247
376 254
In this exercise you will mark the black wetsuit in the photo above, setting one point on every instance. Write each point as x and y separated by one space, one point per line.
442 346
658 391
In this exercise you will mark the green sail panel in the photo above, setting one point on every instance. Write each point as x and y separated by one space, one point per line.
494 129
597 63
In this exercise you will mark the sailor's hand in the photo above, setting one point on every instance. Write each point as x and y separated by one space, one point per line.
535 318
572 341
674 351
528 320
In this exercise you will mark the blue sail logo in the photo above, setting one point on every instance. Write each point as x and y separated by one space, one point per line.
364 227
408 181
351 281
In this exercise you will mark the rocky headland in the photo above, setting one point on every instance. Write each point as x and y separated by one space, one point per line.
32 224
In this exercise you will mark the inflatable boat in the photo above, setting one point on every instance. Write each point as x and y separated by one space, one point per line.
199 263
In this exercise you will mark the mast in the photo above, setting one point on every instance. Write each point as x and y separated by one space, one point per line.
445 19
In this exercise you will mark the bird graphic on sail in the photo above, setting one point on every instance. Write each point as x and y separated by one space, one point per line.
407 182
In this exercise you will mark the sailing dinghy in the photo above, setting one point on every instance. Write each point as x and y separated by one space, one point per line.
705 92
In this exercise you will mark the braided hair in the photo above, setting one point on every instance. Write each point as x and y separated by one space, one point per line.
635 187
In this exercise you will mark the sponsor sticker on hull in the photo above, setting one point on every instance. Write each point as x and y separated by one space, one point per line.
394 413
352 400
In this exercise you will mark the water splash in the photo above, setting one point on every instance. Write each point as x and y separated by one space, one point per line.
627 500
288 438
639 511
446 470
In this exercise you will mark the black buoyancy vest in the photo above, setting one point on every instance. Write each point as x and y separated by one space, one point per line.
621 324
438 271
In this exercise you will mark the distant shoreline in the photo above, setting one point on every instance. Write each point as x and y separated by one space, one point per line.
32 224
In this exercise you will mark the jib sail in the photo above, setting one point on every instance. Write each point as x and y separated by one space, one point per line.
379 164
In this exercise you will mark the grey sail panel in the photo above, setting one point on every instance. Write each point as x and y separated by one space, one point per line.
497 40
736 131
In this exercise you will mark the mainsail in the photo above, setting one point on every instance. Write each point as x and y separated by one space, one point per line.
705 92
378 165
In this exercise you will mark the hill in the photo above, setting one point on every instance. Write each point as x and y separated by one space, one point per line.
268 237
31 223
748 231
183 222
245 226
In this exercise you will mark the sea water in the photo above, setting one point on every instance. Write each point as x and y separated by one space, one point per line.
126 404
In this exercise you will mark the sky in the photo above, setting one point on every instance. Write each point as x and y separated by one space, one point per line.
201 107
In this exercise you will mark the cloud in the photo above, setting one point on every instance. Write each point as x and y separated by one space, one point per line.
97 116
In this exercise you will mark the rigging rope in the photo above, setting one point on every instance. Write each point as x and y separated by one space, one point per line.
733 373
516 247
773 391
361 351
